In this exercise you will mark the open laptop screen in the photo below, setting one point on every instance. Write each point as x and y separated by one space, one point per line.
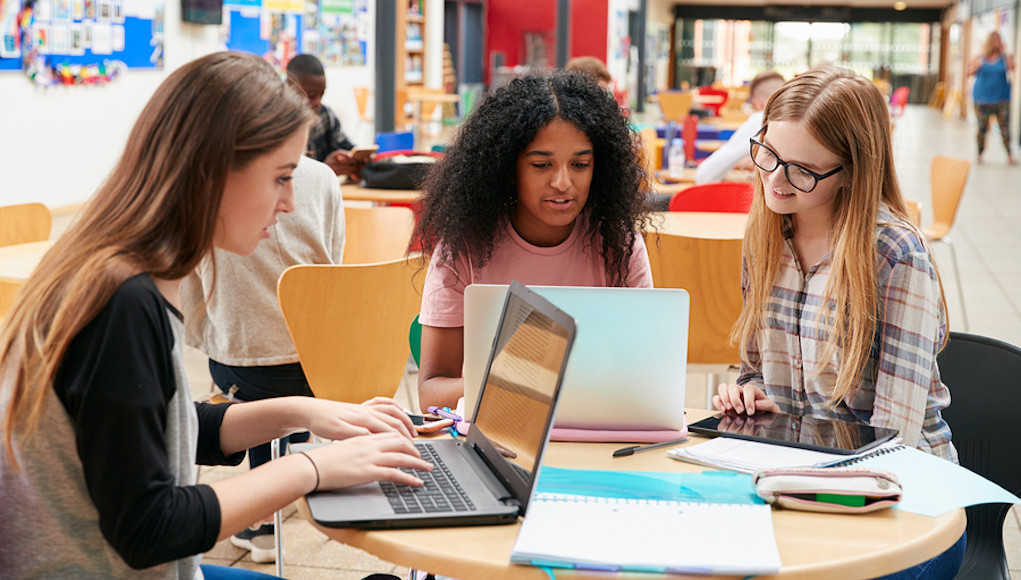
514 408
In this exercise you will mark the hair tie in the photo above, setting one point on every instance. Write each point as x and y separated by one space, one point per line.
316 488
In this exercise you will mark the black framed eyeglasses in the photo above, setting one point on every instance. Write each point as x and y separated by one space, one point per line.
802 178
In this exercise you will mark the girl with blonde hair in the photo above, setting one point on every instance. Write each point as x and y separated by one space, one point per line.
101 437
844 311
843 307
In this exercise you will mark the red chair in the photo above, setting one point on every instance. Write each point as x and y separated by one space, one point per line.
714 107
898 100
723 196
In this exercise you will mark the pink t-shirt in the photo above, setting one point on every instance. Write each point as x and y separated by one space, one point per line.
576 262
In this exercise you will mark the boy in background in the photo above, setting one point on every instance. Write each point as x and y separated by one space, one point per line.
734 153
327 141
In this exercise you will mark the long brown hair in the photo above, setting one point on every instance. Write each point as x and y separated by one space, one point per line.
155 213
847 114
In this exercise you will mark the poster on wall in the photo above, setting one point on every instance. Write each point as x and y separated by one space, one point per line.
80 41
335 31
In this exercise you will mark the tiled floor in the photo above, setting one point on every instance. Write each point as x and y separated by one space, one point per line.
987 235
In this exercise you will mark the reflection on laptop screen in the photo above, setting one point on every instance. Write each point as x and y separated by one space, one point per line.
514 406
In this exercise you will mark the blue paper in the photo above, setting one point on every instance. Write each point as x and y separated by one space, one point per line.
710 486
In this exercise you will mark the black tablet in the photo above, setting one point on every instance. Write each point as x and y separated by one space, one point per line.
816 433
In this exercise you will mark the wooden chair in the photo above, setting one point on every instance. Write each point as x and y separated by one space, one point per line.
948 177
376 234
21 224
914 211
349 324
710 270
652 157
362 100
675 105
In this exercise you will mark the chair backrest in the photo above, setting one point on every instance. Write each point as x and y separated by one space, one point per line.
979 371
362 99
914 211
722 196
23 223
899 99
710 270
689 132
982 375
396 141
349 324
715 107
675 105
947 178
376 234
651 159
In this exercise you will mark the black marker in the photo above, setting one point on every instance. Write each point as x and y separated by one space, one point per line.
638 448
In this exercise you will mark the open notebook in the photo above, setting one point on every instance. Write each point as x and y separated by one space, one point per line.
488 478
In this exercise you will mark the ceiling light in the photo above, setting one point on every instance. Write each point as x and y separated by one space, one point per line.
899 5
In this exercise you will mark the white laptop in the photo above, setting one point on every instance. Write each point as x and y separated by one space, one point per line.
627 370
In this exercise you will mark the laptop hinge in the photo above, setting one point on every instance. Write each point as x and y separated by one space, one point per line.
486 472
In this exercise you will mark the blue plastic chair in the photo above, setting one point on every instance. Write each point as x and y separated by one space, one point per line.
397 141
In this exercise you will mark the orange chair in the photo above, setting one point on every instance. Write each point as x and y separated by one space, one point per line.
723 196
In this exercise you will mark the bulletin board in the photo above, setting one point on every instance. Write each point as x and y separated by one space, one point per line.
82 32
335 31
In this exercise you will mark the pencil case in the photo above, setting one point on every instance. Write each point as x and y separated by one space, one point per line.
845 490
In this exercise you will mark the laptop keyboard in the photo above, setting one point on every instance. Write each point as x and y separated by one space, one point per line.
441 493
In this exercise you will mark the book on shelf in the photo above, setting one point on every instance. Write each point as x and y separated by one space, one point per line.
613 534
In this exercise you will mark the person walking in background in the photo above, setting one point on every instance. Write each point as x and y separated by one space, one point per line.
991 92
734 153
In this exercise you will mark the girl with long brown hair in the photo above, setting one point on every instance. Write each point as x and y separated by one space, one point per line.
843 310
100 433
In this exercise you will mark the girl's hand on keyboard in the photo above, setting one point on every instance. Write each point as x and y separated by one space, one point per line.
368 458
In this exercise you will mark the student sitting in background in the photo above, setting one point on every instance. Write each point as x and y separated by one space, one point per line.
595 68
101 436
327 142
230 302
542 185
844 312
734 153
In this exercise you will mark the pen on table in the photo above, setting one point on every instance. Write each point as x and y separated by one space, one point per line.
445 412
639 448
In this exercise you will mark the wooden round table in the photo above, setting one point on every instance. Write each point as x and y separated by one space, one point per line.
353 192
811 545
17 261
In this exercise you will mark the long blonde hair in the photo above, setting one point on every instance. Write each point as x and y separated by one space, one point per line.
155 213
847 114
993 46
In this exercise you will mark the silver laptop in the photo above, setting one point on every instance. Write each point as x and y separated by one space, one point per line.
488 478
629 364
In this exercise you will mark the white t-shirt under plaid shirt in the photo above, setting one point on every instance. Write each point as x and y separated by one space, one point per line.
900 386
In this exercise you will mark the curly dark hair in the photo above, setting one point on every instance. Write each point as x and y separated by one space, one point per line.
468 192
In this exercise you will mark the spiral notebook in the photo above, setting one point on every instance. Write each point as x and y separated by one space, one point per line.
660 536
749 456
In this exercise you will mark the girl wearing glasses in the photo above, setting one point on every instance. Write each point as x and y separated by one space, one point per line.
843 307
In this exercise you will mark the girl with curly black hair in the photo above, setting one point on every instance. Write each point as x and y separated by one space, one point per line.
542 184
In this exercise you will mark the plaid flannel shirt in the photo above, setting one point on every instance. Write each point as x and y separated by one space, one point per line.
326 136
900 386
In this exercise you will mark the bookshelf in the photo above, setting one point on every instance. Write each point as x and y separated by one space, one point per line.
411 55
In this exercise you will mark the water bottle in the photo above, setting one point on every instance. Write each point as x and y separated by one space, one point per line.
675 158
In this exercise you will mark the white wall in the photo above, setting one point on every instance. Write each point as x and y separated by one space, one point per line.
57 144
